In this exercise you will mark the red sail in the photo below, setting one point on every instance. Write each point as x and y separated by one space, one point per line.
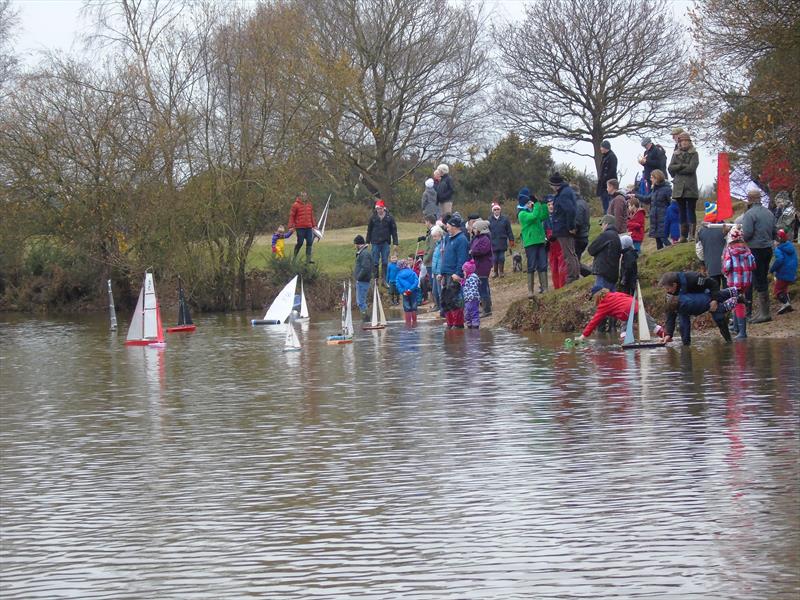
724 206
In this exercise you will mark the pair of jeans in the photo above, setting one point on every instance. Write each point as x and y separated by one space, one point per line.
304 234
362 290
499 256
536 256
602 282
605 198
763 256
410 301
686 209
485 293
380 257
567 243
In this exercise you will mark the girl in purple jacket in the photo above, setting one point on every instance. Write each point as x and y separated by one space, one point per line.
480 249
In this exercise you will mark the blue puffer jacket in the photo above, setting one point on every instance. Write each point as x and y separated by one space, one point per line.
785 264
456 253
407 281
436 259
564 207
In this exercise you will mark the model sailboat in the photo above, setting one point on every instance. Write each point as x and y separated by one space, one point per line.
378 316
303 306
111 312
346 336
645 341
319 230
145 328
184 317
292 342
281 307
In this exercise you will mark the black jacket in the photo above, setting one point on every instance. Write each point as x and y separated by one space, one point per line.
382 231
582 224
445 189
608 170
500 229
655 158
606 250
363 268
692 282
629 270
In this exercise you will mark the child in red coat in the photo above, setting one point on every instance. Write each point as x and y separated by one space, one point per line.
616 305
636 216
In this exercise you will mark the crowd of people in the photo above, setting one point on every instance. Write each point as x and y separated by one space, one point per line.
459 256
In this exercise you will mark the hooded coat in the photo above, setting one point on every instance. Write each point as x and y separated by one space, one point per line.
481 251
606 250
659 199
785 264
683 168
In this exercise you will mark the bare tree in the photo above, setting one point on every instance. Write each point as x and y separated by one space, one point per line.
9 19
589 70
403 77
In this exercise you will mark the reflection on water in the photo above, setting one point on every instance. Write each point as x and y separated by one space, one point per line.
414 463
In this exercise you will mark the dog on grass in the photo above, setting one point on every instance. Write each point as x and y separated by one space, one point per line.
516 260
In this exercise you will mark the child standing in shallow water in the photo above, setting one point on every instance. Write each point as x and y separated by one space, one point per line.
472 297
408 287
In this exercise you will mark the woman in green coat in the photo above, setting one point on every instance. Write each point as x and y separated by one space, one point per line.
531 215
683 168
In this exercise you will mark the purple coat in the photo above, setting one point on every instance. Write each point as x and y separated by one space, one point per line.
481 251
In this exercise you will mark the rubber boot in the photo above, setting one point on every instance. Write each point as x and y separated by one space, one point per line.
734 324
530 285
763 308
502 266
684 233
786 305
692 231
542 282
496 270
308 255
723 328
741 325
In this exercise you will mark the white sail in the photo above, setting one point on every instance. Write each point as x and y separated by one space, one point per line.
292 341
644 330
281 307
303 305
150 308
136 328
319 230
111 311
378 316
347 329
381 314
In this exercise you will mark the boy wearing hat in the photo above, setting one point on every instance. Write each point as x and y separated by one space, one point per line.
758 230
362 273
502 238
785 269
381 232
606 249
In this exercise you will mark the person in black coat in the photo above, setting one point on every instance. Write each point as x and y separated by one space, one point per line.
381 233
608 170
606 250
502 238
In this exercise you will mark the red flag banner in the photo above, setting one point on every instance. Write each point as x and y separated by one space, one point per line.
724 206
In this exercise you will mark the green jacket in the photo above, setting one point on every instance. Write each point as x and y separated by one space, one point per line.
532 222
683 168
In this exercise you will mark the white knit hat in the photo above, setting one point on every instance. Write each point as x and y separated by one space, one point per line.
429 182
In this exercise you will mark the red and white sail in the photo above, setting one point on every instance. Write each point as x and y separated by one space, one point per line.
145 328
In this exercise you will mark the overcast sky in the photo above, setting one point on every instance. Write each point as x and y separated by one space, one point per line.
54 25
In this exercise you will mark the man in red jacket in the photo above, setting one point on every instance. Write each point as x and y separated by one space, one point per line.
301 219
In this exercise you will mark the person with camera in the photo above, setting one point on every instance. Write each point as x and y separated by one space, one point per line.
531 214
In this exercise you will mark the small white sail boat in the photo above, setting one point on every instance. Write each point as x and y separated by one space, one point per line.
145 328
378 316
346 336
111 311
292 343
319 230
303 306
645 340
281 307
185 323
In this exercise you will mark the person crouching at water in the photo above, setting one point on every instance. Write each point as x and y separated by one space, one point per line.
691 294
408 287
362 273
616 305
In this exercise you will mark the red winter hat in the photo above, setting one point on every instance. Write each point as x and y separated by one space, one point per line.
781 235
380 203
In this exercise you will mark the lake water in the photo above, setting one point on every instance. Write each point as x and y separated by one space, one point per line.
411 464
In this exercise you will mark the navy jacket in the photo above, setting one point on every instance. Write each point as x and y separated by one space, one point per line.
564 207
445 189
500 229
456 253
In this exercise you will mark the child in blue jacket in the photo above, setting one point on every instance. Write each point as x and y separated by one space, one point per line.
785 268
407 284
391 279
672 222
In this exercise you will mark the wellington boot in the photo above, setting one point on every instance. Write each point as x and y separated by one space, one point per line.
734 324
530 285
723 329
502 267
763 308
684 234
692 232
741 326
786 308
542 282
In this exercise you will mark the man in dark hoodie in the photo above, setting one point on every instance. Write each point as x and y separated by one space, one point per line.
563 219
608 170
606 250
381 231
